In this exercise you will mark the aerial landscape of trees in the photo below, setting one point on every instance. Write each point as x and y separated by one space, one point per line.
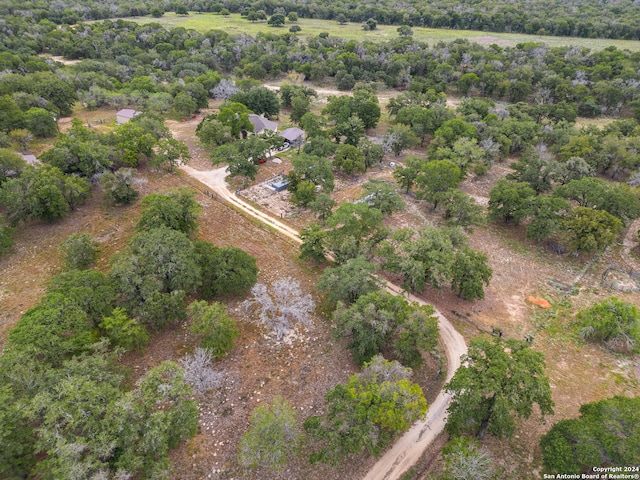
445 177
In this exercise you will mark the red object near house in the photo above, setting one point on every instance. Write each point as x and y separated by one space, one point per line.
262 160
193 116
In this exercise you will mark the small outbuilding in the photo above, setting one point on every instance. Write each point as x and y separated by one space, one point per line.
262 124
126 114
281 184
293 135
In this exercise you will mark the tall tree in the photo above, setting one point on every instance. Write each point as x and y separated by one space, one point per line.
154 273
354 230
363 104
407 175
498 382
235 116
11 164
383 196
260 100
460 209
40 122
176 209
313 168
42 192
238 165
380 320
435 178
510 201
132 144
170 153
469 272
618 199
53 330
89 289
225 271
588 230
367 413
546 216
349 281
399 138
349 160
313 243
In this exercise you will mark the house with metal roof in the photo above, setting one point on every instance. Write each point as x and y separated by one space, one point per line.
292 135
262 124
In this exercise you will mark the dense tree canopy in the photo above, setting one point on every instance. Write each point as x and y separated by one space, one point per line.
498 383
605 434
175 209
367 413
380 320
225 271
42 192
152 275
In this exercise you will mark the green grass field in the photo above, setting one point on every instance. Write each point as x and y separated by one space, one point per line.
351 31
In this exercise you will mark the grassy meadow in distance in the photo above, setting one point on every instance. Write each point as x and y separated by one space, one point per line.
353 31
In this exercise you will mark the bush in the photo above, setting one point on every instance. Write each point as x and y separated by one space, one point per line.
216 329
225 271
273 436
118 188
80 251
612 322
124 332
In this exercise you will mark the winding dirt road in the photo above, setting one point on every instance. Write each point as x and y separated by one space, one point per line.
407 450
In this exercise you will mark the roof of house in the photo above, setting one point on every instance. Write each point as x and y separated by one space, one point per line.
260 123
128 113
292 134
30 159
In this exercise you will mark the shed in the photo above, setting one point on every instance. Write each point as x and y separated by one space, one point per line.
126 114
281 184
292 135
261 124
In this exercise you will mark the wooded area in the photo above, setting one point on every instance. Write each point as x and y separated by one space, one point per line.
418 155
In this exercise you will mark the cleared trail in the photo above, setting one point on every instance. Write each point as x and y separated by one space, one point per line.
407 449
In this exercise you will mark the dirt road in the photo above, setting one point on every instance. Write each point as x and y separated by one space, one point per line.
407 449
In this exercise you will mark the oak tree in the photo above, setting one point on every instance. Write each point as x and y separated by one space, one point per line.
498 383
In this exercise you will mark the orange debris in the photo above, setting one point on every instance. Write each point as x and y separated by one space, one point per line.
541 302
